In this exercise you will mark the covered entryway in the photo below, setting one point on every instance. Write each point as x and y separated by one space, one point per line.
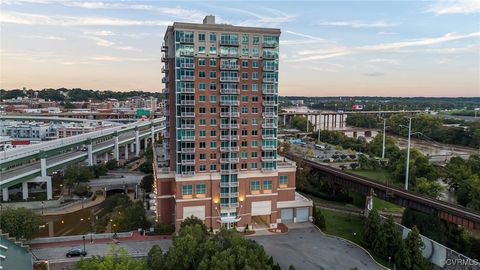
302 214
261 212
287 215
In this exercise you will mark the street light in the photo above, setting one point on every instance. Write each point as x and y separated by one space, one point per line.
83 236
407 169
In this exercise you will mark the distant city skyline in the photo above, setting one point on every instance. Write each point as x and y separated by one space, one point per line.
357 48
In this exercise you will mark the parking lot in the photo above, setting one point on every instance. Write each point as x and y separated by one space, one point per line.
306 248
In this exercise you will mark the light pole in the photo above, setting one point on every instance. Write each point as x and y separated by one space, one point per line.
383 144
407 169
83 236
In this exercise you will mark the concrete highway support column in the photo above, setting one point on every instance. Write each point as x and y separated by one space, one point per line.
90 153
106 156
131 147
284 120
152 128
116 150
5 194
94 159
49 188
137 142
126 152
146 142
25 191
306 116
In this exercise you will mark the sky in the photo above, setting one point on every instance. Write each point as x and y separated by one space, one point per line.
327 48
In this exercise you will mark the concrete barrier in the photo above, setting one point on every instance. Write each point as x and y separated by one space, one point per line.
43 240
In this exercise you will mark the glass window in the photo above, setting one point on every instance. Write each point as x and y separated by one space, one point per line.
201 98
255 64
255 52
213 167
202 145
254 121
244 121
213 121
213 74
201 110
255 75
203 133
213 98
201 61
244 39
254 87
245 75
244 110
245 63
283 180
255 185
267 185
202 122
213 37
213 86
201 37
245 51
244 98
254 165
201 86
203 157
213 49
254 143
244 87
213 62
187 190
213 144
254 154
202 168
256 40
201 74
201 49
201 188
213 133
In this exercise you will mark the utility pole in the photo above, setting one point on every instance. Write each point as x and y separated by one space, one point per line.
383 145
319 126
408 152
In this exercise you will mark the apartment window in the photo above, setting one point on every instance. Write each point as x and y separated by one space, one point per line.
201 74
283 180
244 132
244 98
201 189
201 62
202 145
254 110
213 121
213 144
244 121
245 63
213 167
213 133
244 75
201 37
202 168
254 143
244 166
254 132
244 143
255 75
202 122
245 51
203 157
213 99
255 185
213 62
213 37
255 99
187 190
255 52
253 165
255 64
213 74
201 98
201 49
255 87
213 109
213 49
201 86
254 121
213 86
256 40
213 156
244 87
267 185
203 133
244 39
202 110
244 110
254 154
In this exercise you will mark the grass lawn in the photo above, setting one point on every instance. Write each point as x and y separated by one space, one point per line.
347 226
377 175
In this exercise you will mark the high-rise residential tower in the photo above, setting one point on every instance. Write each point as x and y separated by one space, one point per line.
219 158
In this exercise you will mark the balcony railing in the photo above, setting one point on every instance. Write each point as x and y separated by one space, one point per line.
187 78
229 149
165 80
229 42
187 114
187 102
230 171
187 126
229 102
269 125
269 45
229 79
229 195
229 67
270 56
185 90
268 137
164 47
229 91
232 55
164 59
188 173
229 137
164 69
187 138
188 162
270 68
187 150
267 159
268 170
165 90
269 80
269 103
269 114
229 160
186 40
269 91
226 126
187 65
229 114
269 147
186 53
228 184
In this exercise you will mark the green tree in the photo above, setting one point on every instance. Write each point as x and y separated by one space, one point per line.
147 183
430 188
371 228
117 258
410 255
319 219
156 258
19 222
192 221
389 241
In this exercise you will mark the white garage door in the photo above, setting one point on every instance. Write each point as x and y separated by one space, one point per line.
261 208
302 214
196 211
287 215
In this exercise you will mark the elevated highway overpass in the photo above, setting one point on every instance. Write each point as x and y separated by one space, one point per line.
33 163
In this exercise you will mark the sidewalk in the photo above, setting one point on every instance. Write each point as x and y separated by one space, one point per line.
73 208
136 237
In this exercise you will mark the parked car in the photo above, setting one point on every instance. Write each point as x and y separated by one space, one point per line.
75 252
84 149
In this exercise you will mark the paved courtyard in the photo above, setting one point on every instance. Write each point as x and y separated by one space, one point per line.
306 248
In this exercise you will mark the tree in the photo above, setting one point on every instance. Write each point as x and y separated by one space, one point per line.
147 183
156 258
19 222
389 241
192 221
371 228
429 188
117 258
319 219
410 255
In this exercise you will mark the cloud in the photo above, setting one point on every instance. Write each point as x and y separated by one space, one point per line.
107 58
357 24
441 7
386 33
384 61
103 33
308 39
374 74
107 43
37 19
45 37
309 55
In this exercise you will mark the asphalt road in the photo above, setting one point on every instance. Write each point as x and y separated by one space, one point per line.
307 248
